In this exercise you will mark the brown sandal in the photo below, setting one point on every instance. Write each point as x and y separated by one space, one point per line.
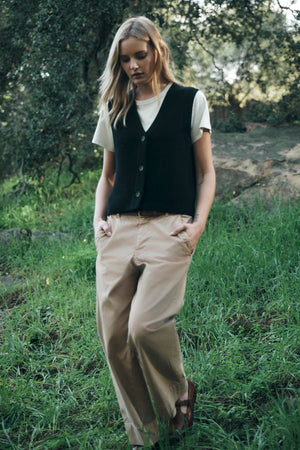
183 421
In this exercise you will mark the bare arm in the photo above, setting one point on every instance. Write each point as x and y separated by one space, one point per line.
205 181
103 191
205 188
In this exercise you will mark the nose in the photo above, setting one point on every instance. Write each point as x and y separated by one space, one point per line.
133 64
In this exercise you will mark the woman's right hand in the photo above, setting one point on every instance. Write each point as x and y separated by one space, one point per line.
103 225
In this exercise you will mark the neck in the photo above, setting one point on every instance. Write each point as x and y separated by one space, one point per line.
145 91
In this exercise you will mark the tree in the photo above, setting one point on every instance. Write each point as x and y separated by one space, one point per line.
53 53
251 42
48 80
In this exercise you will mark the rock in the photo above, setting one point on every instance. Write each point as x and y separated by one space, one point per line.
235 175
38 235
250 126
280 185
9 282
263 173
232 182
14 235
293 155
21 236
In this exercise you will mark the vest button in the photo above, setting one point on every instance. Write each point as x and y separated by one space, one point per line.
143 138
141 168
137 194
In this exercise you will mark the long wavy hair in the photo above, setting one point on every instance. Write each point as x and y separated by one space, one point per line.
115 86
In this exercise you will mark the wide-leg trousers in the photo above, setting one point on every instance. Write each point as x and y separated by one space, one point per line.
141 276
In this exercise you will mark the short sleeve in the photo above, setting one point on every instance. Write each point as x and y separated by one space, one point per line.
200 116
103 135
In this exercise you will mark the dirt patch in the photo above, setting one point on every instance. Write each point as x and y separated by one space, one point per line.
250 126
248 168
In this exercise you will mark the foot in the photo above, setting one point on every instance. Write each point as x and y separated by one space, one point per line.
182 401
184 411
136 447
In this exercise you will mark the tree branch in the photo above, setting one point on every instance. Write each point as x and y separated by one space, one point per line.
72 171
293 11
220 69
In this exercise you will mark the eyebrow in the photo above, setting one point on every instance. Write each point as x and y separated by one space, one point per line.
136 53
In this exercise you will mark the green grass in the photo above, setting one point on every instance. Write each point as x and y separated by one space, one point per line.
239 330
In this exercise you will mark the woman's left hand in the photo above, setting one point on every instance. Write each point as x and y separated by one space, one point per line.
194 231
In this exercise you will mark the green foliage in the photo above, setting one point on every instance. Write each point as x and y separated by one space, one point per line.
246 50
239 330
287 110
54 118
52 53
229 124
50 85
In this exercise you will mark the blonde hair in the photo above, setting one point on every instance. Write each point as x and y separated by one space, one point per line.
115 86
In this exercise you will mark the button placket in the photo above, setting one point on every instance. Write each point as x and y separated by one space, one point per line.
140 174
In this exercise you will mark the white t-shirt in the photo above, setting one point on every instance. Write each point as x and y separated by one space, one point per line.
148 110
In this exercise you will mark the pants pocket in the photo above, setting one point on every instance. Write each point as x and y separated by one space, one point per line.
100 234
183 236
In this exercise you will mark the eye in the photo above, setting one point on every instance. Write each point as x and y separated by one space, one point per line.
142 56
124 59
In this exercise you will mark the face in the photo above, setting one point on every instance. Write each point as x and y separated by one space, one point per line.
137 59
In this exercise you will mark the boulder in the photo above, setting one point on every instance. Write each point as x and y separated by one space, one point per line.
14 235
245 173
24 236
38 235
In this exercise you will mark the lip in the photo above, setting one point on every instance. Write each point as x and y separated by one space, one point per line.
137 75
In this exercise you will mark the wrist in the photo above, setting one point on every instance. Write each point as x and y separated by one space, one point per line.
97 220
199 224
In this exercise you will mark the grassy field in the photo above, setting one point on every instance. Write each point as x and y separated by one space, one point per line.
239 330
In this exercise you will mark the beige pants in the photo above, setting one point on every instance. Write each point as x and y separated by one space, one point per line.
141 276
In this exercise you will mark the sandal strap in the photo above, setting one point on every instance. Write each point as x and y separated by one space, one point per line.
178 404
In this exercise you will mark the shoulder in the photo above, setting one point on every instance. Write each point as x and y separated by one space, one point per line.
184 90
190 90
200 100
183 96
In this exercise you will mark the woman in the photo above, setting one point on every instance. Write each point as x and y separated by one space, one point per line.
152 202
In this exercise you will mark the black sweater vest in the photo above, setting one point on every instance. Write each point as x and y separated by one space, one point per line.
155 170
